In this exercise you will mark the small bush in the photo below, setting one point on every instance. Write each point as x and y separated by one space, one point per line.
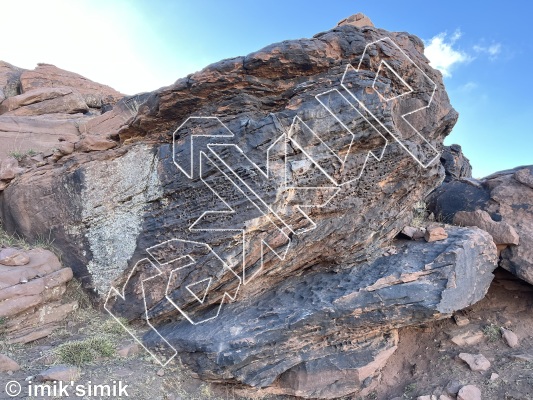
113 327
85 351
492 332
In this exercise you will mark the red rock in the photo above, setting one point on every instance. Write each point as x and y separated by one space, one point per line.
434 233
70 103
476 362
94 143
510 337
359 20
66 148
37 133
63 373
501 232
44 101
413 232
467 338
13 257
7 364
128 350
461 320
469 392
42 262
46 75
9 168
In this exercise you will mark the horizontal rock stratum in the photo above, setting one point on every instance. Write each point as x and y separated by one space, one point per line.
323 334
272 182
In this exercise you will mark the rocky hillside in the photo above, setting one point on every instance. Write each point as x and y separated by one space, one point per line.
263 219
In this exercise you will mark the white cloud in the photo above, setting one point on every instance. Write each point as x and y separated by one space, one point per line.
493 50
442 55
468 87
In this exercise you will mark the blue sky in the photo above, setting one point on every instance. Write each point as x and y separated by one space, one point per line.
482 47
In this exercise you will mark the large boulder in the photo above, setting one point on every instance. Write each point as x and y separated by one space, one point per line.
275 179
321 335
502 204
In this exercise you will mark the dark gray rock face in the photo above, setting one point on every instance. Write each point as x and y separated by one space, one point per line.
507 196
455 196
321 335
456 165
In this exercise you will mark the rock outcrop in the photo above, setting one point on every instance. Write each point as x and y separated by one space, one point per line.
323 334
44 107
32 285
456 165
502 204
134 197
275 181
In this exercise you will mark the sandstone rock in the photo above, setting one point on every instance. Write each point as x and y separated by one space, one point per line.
9 168
129 350
45 101
468 338
37 133
507 197
49 76
428 397
469 392
7 364
413 232
388 295
444 397
461 320
31 297
66 148
494 376
359 20
456 165
13 257
524 176
510 337
52 106
94 143
476 362
63 373
434 233
501 232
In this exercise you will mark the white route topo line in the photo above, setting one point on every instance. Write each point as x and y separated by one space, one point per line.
265 209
